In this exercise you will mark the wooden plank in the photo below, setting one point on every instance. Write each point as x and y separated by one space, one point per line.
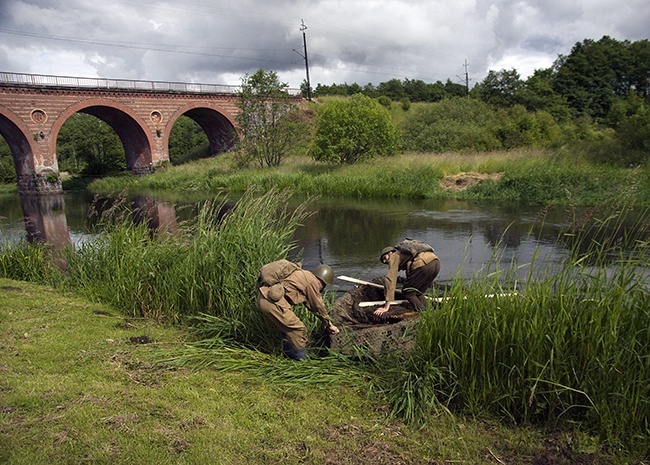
433 299
359 281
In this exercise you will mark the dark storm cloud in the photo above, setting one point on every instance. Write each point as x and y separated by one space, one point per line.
363 41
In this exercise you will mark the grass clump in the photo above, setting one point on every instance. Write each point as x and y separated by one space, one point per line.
571 348
208 268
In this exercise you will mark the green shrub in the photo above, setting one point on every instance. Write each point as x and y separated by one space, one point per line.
385 101
456 124
354 129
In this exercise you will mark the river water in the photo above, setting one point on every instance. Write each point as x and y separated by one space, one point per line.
347 234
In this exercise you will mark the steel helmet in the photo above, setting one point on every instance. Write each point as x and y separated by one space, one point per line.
324 273
385 250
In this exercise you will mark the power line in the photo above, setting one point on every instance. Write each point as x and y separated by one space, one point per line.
303 27
148 47
466 65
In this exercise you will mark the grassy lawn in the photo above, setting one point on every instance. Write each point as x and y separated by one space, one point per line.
80 383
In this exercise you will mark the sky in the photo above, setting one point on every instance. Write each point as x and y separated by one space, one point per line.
347 41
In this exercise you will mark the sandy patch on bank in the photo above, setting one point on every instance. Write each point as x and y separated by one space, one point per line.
461 181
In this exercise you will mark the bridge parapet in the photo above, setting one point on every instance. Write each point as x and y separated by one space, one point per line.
42 80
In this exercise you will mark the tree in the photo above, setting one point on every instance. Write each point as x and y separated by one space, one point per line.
500 88
392 89
267 129
596 73
349 130
88 145
187 141
538 94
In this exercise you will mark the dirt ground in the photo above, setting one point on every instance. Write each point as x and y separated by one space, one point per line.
462 181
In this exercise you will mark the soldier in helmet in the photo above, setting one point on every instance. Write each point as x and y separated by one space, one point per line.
300 287
421 269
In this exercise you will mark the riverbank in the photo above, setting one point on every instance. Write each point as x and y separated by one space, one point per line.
82 382
529 176
542 359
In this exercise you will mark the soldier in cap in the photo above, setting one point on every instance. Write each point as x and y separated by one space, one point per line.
421 269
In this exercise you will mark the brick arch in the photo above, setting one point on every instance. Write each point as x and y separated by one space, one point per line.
15 134
131 130
217 125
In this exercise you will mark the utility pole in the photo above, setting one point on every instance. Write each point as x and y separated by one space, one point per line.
304 43
466 78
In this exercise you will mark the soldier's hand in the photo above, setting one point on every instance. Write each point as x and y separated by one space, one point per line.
332 329
380 311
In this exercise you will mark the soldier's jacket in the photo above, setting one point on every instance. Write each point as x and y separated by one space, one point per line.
402 261
300 287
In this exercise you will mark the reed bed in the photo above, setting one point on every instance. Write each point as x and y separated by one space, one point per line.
207 270
571 348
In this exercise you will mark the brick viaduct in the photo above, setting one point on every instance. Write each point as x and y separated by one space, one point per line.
33 108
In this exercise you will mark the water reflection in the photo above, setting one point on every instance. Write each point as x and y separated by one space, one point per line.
346 234
349 234
45 222
159 217
45 219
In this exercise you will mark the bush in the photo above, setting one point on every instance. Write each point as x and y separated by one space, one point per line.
455 124
350 130
385 101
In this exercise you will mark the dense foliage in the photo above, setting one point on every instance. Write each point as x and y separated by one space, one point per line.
187 141
595 100
102 153
7 168
350 130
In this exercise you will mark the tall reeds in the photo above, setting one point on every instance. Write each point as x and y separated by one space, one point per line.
208 270
572 346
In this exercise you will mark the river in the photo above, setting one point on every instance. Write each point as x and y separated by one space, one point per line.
347 234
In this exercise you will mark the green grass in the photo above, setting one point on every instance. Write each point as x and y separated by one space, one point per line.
570 354
8 188
529 176
572 347
74 389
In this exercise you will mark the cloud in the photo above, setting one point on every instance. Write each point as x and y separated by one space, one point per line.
362 41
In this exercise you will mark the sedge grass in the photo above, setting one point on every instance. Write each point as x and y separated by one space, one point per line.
571 348
531 176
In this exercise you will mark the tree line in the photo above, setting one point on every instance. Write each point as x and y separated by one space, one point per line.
587 82
595 100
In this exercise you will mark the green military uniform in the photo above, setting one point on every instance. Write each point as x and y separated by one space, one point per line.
300 287
421 270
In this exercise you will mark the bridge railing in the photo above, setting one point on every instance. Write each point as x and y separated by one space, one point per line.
122 84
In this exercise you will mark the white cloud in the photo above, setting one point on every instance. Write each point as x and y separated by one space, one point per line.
362 41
